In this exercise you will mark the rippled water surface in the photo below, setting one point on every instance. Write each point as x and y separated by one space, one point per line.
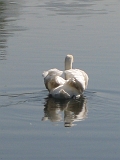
36 36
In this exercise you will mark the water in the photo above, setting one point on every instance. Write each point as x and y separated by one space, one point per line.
36 36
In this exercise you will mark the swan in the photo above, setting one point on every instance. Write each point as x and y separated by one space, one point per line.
66 84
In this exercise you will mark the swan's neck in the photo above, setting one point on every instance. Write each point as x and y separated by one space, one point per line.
68 64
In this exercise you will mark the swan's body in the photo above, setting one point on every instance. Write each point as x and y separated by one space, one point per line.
66 84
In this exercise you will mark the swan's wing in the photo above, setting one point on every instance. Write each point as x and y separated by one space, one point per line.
54 72
75 85
84 75
52 78
77 77
86 79
52 81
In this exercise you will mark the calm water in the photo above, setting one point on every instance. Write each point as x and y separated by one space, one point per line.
36 36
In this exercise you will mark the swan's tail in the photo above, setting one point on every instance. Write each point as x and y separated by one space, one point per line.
62 95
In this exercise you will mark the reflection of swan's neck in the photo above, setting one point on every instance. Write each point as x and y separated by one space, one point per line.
68 62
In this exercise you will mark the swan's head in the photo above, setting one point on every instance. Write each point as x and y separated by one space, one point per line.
68 62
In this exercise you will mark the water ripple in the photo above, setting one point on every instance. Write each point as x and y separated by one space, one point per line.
73 8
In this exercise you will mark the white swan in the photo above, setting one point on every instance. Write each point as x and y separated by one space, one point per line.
66 84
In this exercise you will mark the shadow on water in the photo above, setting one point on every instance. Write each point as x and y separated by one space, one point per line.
73 110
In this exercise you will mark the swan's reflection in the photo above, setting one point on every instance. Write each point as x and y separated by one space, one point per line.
73 110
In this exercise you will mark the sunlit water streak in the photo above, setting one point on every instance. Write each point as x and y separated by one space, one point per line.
9 13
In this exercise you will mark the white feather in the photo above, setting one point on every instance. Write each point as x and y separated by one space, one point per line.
65 84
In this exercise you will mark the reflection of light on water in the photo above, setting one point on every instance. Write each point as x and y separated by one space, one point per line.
69 111
73 110
8 13
78 8
76 111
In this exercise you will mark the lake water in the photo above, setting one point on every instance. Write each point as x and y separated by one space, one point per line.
36 36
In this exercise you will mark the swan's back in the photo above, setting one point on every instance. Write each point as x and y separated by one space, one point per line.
52 72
